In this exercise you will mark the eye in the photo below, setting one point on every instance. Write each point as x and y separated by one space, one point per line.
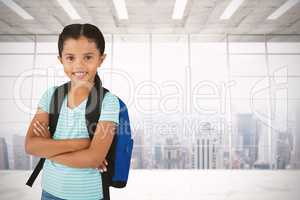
69 58
88 57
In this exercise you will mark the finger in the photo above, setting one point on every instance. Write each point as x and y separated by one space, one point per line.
47 132
41 125
36 132
39 132
38 129
105 162
102 168
43 129
44 125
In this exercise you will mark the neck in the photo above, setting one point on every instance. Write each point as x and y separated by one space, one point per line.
81 90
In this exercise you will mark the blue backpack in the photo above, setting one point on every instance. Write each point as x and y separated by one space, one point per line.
119 154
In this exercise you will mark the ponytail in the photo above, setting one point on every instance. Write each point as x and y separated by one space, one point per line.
97 81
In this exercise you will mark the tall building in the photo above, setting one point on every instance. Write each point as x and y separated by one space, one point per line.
263 158
206 150
34 161
172 155
138 150
21 159
283 157
296 146
247 133
3 154
158 156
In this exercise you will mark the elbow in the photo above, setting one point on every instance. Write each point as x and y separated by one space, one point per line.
96 161
94 164
28 148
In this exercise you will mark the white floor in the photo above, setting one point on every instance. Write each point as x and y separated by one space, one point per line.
179 184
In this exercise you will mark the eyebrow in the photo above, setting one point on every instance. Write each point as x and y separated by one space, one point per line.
68 54
71 54
89 53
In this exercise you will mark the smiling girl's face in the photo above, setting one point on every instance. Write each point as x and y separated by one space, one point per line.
81 58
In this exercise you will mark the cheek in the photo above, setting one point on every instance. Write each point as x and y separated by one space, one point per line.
93 67
67 70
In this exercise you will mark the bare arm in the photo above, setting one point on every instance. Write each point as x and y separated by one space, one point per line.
46 146
93 156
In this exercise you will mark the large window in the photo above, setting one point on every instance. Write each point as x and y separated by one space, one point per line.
195 101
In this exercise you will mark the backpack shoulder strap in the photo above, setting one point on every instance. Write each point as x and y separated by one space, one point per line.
106 176
92 114
93 108
55 107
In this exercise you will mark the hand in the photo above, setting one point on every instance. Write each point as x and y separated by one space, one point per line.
40 129
102 167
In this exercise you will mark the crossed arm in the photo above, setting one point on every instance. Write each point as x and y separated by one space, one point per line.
77 153
94 155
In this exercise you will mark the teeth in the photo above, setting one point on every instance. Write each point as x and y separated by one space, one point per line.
79 74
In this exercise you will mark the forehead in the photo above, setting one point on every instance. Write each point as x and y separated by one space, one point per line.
80 45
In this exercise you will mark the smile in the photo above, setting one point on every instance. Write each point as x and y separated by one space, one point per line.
79 75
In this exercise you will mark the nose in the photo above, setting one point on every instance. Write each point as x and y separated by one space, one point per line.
79 63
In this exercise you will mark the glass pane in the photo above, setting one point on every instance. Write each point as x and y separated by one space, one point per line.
249 88
47 44
14 44
286 64
169 73
246 44
130 72
15 88
11 65
248 65
15 111
284 44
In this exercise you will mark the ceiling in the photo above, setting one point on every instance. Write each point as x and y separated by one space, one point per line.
153 16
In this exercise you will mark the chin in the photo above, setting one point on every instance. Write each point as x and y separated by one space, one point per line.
81 82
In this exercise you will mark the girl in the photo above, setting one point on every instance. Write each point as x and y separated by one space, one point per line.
71 169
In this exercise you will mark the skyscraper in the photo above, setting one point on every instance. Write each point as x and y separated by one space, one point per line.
158 155
21 159
34 161
263 159
296 148
206 152
3 154
172 155
283 150
248 147
138 153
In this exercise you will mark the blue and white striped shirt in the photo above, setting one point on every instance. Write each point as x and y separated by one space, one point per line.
75 183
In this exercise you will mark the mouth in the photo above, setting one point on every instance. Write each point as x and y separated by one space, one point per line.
79 75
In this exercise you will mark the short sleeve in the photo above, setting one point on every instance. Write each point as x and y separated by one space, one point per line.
44 102
110 108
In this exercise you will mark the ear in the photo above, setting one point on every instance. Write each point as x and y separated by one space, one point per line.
60 60
102 58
